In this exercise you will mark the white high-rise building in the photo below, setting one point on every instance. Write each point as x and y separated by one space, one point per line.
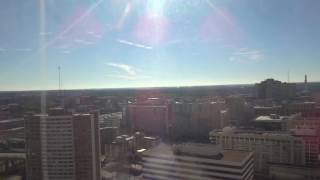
63 146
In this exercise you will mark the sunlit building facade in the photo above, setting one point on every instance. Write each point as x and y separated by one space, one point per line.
62 146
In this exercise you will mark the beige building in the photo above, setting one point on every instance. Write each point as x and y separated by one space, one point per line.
268 147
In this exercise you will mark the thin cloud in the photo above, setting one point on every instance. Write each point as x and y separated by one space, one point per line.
124 67
134 44
126 72
84 42
245 55
23 49
2 50
137 77
66 52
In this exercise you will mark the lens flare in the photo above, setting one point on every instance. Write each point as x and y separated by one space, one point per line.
153 27
156 6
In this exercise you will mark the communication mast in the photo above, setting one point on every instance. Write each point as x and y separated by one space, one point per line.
305 84
61 96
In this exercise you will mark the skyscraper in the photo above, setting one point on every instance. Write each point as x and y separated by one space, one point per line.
62 146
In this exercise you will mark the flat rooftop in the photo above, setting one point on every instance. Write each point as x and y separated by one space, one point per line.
207 151
271 118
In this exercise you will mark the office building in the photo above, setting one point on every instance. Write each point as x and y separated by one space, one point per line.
196 161
239 111
152 116
307 109
62 146
273 122
267 146
310 136
267 110
273 89
194 120
124 145
110 119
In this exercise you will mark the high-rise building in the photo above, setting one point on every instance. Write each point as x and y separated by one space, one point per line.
62 146
196 161
273 89
152 116
194 120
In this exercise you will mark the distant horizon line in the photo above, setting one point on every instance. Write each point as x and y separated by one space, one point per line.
146 87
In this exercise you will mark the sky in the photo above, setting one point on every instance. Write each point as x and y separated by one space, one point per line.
152 43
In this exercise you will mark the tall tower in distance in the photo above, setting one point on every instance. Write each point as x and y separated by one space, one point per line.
305 90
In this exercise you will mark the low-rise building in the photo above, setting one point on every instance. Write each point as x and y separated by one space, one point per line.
272 122
196 161
268 146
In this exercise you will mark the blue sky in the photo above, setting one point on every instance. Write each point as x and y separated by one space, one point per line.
144 43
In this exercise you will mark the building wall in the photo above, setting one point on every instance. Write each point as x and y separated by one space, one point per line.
272 89
285 172
267 148
195 120
33 148
57 147
152 119
85 145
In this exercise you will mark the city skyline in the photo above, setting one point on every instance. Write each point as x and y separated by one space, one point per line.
164 43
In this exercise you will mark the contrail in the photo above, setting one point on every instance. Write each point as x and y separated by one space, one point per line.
77 21
134 44
227 19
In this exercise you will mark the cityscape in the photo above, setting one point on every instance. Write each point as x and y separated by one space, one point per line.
268 130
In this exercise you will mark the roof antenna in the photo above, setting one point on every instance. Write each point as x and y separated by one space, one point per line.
288 75
59 69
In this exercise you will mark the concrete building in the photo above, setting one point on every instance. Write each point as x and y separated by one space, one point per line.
268 147
194 120
273 89
311 139
290 172
152 116
123 146
110 119
62 146
107 135
239 111
307 109
267 110
273 122
300 121
196 161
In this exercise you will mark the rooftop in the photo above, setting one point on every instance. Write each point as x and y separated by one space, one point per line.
271 118
207 151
